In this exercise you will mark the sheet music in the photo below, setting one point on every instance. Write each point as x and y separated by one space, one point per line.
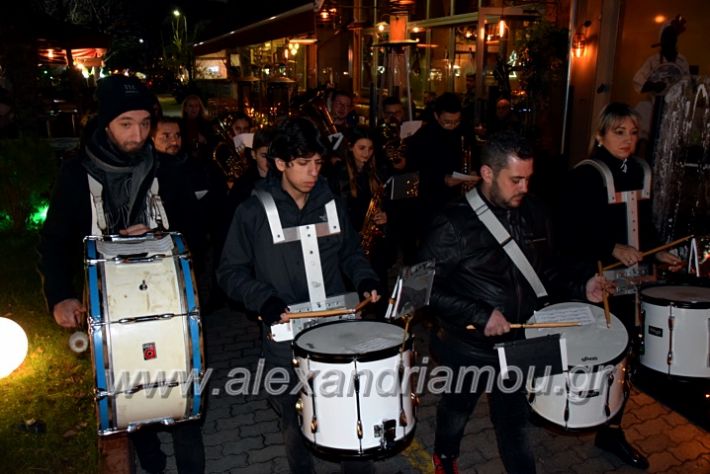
573 314
150 247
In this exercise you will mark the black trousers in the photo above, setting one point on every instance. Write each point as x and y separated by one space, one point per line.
187 445
509 412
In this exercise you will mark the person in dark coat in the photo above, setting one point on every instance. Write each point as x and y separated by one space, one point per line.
118 156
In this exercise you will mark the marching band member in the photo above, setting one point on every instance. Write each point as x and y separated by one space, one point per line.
267 271
105 191
606 216
490 285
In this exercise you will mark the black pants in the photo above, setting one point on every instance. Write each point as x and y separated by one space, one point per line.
187 445
509 412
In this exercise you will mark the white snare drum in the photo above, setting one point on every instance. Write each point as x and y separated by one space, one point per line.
360 401
145 332
676 330
595 387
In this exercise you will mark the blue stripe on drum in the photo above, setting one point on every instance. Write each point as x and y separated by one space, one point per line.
194 332
178 239
101 403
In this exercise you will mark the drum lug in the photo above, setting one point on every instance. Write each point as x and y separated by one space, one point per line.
359 429
314 424
402 418
295 363
299 406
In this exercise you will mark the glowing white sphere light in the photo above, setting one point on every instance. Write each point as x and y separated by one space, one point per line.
13 346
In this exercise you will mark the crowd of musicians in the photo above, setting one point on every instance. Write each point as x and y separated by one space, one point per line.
394 202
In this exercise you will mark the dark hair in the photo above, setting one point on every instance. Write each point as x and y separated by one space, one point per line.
370 168
239 115
447 102
263 137
501 146
296 138
164 119
343 93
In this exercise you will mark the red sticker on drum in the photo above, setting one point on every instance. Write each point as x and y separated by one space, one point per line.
149 351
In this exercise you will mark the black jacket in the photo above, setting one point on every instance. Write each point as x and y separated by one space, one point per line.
588 226
69 221
474 275
254 269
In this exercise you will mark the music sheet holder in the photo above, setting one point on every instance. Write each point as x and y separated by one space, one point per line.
412 290
537 353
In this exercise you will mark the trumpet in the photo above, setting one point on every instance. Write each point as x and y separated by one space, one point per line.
234 163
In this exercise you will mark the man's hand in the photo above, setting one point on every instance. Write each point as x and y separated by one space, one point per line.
137 229
67 313
596 286
373 295
497 325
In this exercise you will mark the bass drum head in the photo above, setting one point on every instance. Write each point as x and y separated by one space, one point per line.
588 345
682 296
346 340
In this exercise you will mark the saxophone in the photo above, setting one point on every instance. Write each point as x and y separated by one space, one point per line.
234 163
371 231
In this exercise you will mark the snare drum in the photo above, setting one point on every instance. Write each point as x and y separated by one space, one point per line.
594 388
144 331
357 401
676 330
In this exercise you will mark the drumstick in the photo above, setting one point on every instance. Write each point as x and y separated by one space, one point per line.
561 324
652 251
605 297
329 312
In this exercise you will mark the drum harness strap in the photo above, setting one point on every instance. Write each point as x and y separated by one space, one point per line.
308 236
503 237
157 218
630 198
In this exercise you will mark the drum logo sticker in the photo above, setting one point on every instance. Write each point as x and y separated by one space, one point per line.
149 351
655 331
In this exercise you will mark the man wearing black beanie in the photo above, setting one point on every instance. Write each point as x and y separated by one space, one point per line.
105 191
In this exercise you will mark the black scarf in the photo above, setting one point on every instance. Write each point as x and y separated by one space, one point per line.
125 179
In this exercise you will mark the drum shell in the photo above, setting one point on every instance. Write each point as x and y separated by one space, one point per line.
676 330
130 358
381 394
596 386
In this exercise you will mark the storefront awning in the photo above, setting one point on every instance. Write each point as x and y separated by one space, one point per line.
298 21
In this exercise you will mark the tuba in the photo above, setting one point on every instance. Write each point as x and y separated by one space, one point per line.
234 163
316 109
371 231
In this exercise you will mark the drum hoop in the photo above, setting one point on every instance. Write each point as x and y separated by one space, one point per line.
379 354
659 301
369 453
615 361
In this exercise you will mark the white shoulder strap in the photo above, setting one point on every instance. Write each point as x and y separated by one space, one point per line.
509 244
98 217
157 217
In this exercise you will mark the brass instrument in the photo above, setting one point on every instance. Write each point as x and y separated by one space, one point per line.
371 231
465 156
317 110
393 147
234 163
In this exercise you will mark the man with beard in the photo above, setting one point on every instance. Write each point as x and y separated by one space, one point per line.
118 168
477 284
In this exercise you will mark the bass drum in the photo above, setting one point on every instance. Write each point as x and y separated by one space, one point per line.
595 386
144 331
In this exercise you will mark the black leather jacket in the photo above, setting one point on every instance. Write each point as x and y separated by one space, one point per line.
474 275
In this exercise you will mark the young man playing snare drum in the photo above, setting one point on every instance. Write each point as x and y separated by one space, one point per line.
118 168
267 271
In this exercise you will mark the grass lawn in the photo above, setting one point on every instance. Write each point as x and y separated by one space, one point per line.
53 386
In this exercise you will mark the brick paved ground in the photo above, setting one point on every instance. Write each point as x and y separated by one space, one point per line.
241 432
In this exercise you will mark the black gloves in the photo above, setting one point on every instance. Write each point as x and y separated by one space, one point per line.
272 309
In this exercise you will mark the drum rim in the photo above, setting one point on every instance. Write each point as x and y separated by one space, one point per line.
658 301
369 453
370 356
